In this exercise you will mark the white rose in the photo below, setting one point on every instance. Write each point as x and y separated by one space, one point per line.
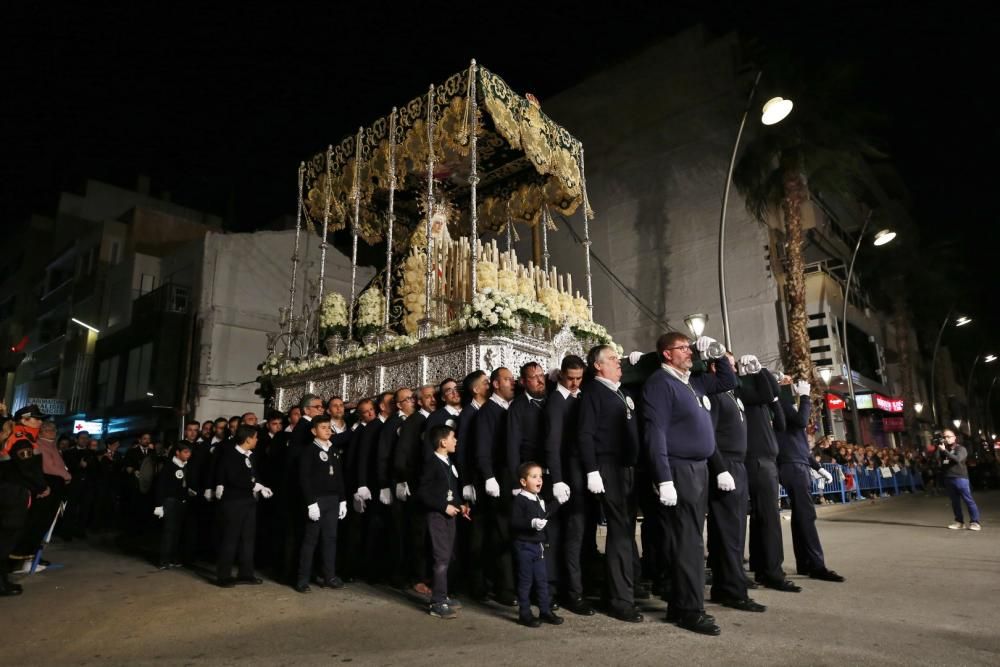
493 318
473 322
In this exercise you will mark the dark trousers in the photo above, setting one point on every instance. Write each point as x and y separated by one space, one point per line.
13 514
574 522
766 551
40 516
79 503
532 571
618 501
685 522
238 525
497 540
553 533
324 534
958 491
441 529
412 526
727 526
180 532
797 481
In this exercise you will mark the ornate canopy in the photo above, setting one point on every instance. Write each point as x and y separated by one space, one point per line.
525 160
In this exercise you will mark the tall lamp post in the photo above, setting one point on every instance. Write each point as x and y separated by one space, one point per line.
881 238
959 322
988 359
773 111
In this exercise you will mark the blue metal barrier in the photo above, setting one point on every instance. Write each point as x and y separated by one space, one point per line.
866 480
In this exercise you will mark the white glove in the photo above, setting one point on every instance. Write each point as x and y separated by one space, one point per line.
668 494
539 524
594 482
469 493
314 512
634 357
745 361
703 342
725 481
209 495
359 504
561 491
492 488
385 496
218 492
262 490
515 492
364 493
402 491
826 475
158 512
343 509
802 388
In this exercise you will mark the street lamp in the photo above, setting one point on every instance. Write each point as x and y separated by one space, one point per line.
988 359
883 237
85 325
696 324
826 374
774 110
918 407
956 422
960 322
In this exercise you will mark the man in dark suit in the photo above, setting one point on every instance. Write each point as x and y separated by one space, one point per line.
562 458
408 460
449 402
289 499
471 536
609 448
497 488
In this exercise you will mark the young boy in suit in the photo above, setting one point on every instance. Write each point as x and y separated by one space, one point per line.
440 492
527 520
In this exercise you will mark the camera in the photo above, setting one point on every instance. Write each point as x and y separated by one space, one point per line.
937 438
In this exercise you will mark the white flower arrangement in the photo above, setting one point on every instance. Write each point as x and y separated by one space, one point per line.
489 310
411 289
333 315
507 282
272 364
549 297
486 276
531 310
588 329
371 308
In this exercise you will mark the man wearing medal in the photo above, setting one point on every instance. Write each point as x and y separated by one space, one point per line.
679 439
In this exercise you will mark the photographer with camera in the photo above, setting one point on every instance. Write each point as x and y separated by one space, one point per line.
956 478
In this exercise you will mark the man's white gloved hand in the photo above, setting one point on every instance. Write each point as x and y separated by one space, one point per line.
218 491
385 496
343 509
594 482
725 481
634 356
515 492
492 488
668 494
158 512
825 474
703 343
561 492
364 493
745 362
539 524
802 388
359 504
262 490
209 495
469 493
314 512
402 491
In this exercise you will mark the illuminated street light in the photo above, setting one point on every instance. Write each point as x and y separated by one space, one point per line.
962 321
696 323
956 422
85 325
825 374
775 110
918 407
990 358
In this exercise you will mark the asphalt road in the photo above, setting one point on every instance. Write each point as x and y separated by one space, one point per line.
916 593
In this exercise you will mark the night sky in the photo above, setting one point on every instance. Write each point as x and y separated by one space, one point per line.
218 106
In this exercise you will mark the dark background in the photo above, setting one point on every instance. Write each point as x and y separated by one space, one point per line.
219 104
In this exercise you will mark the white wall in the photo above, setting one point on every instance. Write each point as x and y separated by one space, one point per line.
244 281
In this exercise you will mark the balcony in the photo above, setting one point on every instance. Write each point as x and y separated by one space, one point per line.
168 298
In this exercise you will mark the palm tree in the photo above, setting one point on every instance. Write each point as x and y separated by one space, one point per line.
816 149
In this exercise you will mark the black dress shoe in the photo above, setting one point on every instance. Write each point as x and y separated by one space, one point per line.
529 621
742 605
9 591
249 581
578 606
302 588
163 566
334 583
700 623
783 585
506 600
750 583
629 615
826 575
226 583
551 618
674 616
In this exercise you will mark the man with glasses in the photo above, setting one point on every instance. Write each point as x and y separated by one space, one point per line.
450 402
956 479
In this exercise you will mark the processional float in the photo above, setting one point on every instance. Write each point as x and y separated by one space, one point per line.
471 157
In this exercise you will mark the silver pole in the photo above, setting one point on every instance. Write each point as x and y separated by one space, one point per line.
855 421
545 237
295 251
473 177
425 323
326 223
586 234
392 219
356 194
722 217
937 345
968 390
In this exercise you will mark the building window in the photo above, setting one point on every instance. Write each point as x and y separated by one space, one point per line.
147 283
137 375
